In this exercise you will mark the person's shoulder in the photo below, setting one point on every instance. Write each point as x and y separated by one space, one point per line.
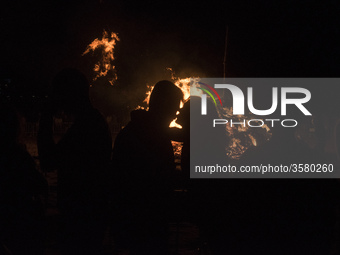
138 122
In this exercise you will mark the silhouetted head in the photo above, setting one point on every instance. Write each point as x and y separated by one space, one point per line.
70 90
165 101
9 126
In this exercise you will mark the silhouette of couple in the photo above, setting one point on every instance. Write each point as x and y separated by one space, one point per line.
140 176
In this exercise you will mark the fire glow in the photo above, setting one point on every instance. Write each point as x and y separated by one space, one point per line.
241 136
106 46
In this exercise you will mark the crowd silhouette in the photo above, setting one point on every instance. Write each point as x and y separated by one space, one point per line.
129 187
22 192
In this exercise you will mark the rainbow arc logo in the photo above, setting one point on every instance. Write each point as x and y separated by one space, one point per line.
209 93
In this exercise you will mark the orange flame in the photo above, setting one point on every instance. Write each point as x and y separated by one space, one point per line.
106 45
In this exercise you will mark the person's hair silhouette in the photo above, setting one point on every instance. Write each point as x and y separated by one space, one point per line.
164 101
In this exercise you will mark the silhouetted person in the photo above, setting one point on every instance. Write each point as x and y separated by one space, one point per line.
144 158
22 190
81 157
284 216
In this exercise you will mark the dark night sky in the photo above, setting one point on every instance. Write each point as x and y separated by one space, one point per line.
266 38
